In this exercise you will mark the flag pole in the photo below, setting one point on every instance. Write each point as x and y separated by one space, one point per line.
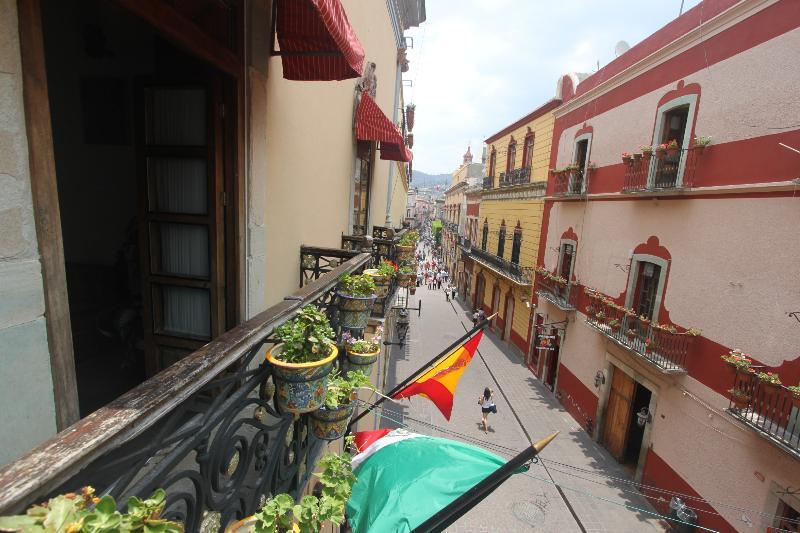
461 505
455 344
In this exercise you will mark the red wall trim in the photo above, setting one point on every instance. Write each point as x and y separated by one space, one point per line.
657 473
533 115
577 398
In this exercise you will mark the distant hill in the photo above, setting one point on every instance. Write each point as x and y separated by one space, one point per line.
423 179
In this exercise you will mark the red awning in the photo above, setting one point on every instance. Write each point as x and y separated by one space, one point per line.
373 125
317 41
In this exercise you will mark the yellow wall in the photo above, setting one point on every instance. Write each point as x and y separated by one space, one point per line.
310 154
542 128
399 195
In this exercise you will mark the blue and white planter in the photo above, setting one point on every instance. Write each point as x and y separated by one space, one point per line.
354 312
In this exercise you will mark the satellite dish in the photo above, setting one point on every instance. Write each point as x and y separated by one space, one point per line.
621 48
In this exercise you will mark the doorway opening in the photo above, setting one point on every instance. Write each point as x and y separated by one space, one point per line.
622 434
509 317
552 361
143 158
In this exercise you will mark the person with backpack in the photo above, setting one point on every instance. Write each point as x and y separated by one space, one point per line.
487 406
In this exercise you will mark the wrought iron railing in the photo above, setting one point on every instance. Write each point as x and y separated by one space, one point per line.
666 350
316 261
672 171
205 429
513 271
772 411
569 183
564 297
518 176
488 182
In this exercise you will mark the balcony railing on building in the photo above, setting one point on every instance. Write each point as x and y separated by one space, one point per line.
667 350
771 410
465 244
488 182
569 183
565 297
513 271
205 429
518 176
674 170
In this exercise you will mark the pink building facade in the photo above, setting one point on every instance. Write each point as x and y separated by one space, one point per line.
697 236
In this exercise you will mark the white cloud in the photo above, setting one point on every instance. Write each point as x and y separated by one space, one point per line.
478 65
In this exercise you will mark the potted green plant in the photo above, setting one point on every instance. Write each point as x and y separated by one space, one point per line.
700 143
672 148
661 150
280 514
362 353
795 391
85 512
631 334
737 361
404 249
740 399
614 324
382 277
329 422
560 281
627 158
302 361
407 276
600 316
355 295
645 321
770 383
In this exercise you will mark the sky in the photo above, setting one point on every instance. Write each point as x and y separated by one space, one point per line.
479 65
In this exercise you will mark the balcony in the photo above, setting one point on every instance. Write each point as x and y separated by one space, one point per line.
563 297
465 244
514 272
771 411
646 173
518 176
569 183
488 182
666 350
205 429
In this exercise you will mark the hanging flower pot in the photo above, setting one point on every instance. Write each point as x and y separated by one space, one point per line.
739 398
631 334
300 387
331 424
381 281
410 140
661 151
410 111
404 253
407 277
795 396
413 289
354 298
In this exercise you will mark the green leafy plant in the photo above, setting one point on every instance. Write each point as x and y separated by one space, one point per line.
769 377
340 388
693 332
739 394
84 512
631 333
358 286
738 359
387 268
795 390
307 338
672 144
614 324
665 328
406 269
646 149
407 240
702 141
280 512
412 234
362 346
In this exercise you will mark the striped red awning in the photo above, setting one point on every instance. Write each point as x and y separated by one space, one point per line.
373 125
317 42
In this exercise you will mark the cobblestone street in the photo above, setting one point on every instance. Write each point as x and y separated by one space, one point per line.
589 499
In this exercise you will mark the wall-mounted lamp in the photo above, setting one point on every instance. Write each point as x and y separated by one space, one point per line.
643 417
599 379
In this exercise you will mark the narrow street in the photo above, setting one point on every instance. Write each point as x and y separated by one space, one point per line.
588 499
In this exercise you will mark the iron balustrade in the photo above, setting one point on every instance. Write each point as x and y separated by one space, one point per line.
651 172
667 351
488 182
316 261
563 297
508 269
518 176
204 429
569 183
772 411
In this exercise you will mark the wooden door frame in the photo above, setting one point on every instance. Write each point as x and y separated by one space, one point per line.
508 324
43 178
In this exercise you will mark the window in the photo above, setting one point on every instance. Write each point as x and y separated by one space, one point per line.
501 240
566 259
361 187
512 155
646 285
492 162
674 121
580 157
485 236
527 151
515 248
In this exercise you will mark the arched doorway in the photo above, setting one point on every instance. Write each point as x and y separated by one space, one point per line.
477 298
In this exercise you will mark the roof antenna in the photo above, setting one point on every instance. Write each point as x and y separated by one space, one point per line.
681 11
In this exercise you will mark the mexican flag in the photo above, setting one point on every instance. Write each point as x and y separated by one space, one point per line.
405 478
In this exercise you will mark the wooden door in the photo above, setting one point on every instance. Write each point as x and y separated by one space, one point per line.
618 413
509 317
495 305
181 216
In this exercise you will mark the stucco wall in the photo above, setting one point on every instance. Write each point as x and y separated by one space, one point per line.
25 378
310 154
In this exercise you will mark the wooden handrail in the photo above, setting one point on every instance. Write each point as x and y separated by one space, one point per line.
52 463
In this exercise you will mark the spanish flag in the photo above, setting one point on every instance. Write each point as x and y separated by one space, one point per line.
439 383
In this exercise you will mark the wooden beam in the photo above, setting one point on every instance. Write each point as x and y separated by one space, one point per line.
46 212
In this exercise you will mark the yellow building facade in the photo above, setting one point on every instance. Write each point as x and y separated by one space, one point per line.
505 247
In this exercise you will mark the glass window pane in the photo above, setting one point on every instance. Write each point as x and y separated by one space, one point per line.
180 249
185 312
176 116
178 185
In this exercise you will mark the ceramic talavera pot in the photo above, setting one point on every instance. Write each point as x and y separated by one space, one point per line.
360 361
354 312
300 387
382 283
404 253
407 280
331 424
248 525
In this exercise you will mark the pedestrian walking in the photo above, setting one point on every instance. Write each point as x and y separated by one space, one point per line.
447 294
487 406
438 280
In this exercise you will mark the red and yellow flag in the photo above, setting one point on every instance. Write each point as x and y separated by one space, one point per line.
439 383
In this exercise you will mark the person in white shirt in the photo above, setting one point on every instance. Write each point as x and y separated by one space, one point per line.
487 406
